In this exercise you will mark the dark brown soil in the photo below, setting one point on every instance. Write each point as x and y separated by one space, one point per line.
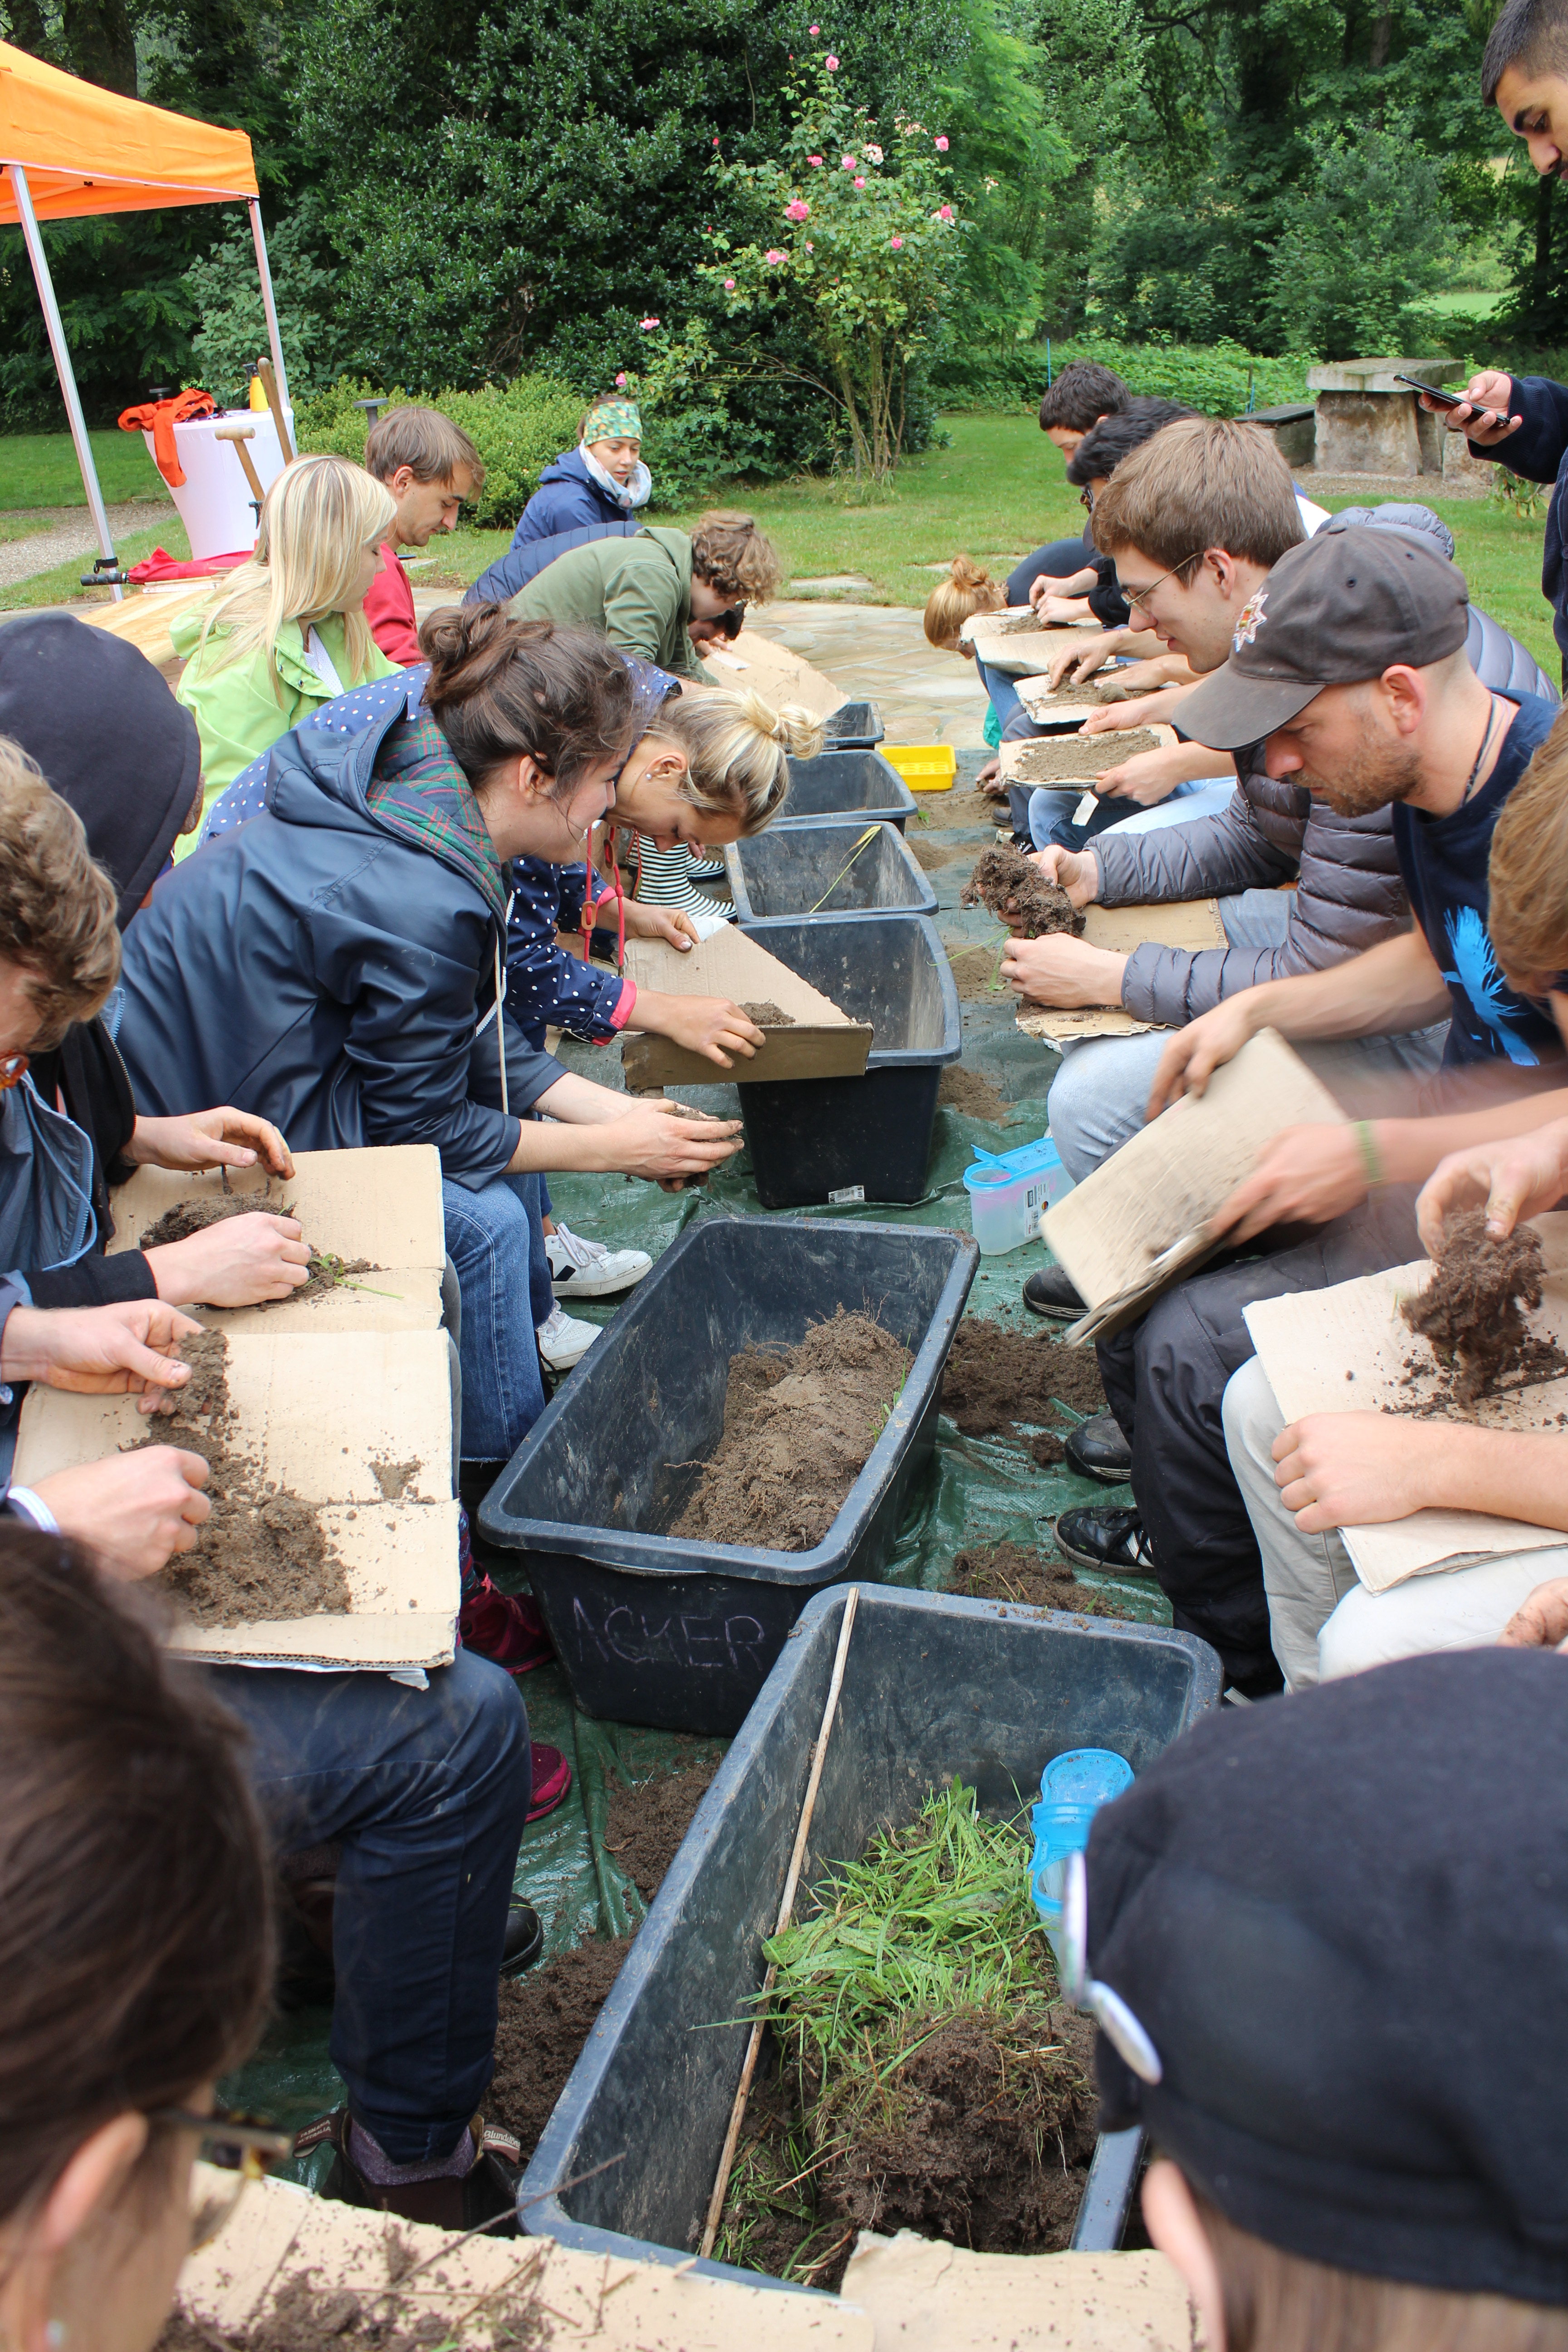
1079 758
799 1427
647 1822
188 1217
976 975
998 1378
1470 1311
263 1554
304 2317
769 1016
1013 886
965 1090
930 856
545 2018
325 1274
1005 1571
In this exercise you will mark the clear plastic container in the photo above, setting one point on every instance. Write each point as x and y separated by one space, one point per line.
1072 1789
1010 1191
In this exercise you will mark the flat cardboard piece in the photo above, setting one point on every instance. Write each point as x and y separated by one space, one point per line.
919 2292
752 660
383 1203
1192 924
480 2292
316 1411
823 1044
1017 654
1140 1223
1043 702
1308 1343
1011 756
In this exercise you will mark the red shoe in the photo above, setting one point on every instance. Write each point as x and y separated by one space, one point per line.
551 1780
504 1628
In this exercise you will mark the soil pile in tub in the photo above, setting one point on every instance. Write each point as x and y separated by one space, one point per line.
1071 758
1014 888
264 1553
928 2075
1470 1313
325 1271
799 1426
1010 1573
547 2014
1000 1383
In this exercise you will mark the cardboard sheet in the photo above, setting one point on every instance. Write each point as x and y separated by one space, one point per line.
1191 923
824 1043
1012 756
380 1204
1017 654
316 1411
1041 699
473 2286
1140 1223
920 2293
773 671
1307 1345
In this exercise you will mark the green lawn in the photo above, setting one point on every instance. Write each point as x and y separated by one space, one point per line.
39 470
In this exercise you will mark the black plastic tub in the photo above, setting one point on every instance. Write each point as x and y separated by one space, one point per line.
787 869
867 1138
848 784
654 1629
933 1685
853 727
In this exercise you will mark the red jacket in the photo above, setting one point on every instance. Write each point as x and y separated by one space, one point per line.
389 609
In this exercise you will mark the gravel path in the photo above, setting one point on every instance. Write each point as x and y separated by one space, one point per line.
61 534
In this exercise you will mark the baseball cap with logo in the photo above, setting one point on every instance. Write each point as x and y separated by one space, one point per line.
1341 607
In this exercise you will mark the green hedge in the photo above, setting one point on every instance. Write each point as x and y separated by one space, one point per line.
1211 377
517 429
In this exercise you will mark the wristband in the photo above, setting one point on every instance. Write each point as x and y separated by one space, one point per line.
1366 1144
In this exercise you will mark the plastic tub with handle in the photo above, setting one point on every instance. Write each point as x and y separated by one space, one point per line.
1007 1192
214 501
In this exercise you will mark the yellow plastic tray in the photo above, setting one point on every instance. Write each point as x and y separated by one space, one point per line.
924 767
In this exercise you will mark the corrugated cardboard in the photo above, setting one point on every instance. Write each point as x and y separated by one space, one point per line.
1190 923
1011 756
279 2234
824 1043
755 662
1308 1343
1041 699
384 1204
1140 1222
316 1410
921 2295
1014 655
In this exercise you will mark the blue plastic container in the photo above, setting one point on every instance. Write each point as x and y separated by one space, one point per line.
1007 1192
1073 1787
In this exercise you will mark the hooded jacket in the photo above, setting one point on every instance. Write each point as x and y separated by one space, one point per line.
638 591
1349 895
242 707
568 497
510 572
326 964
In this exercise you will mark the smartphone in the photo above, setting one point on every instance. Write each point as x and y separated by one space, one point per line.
1443 399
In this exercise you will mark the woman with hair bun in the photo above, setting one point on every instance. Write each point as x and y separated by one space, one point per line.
135 1957
967 590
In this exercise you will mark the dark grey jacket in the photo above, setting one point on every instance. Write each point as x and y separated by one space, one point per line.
1348 895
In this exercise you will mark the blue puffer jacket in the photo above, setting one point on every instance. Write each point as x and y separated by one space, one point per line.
325 965
567 498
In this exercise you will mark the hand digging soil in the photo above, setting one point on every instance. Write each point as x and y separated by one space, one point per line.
1014 888
1469 1313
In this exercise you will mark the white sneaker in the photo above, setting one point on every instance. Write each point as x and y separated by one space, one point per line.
564 1341
580 1269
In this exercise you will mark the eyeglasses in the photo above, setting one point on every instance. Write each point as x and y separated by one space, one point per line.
1140 596
1086 498
245 2146
12 1070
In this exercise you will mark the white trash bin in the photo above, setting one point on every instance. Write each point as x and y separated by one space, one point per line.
214 501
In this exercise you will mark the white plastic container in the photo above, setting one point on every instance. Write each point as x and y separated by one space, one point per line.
1008 1191
214 501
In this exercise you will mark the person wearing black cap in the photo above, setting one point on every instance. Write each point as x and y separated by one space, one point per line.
1325 1945
1350 663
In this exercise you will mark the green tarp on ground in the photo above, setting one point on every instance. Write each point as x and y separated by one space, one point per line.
977 1490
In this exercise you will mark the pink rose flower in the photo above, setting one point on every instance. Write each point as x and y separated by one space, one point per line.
797 211
946 212
813 30
647 324
897 243
773 257
809 247
815 161
729 285
859 181
847 165
832 64
942 146
620 380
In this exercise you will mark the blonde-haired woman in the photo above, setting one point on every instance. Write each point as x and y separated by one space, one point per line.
287 631
713 767
967 590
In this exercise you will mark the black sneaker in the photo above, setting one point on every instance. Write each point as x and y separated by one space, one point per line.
485 2192
524 1939
1051 1292
1098 1448
1103 1537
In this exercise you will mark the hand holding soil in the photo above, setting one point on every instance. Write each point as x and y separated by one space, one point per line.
664 1140
126 1349
709 1025
151 1499
1014 888
1469 1313
210 1138
237 1259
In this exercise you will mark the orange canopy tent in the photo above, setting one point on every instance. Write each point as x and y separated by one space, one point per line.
68 149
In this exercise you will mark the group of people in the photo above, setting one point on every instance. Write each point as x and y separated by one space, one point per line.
318 899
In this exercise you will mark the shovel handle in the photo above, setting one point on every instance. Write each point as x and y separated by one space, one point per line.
239 434
268 375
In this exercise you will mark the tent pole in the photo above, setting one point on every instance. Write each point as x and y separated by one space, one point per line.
264 270
63 369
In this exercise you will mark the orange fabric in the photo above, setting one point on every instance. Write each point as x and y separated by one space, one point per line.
86 150
159 417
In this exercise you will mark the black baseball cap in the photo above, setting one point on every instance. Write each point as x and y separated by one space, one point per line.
1332 1935
1343 606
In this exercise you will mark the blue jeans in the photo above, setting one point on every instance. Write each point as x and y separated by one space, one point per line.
427 1794
496 1242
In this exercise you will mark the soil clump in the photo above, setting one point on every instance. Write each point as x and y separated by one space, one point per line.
1006 1571
323 1274
394 1478
1020 624
1073 759
1013 888
769 1016
304 2317
1083 692
965 1091
647 1822
264 1553
799 1427
546 2016
998 1378
1470 1311
188 1217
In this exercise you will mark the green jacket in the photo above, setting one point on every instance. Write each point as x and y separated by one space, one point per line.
237 713
638 591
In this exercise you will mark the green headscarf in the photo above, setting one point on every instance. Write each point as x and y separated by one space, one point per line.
613 420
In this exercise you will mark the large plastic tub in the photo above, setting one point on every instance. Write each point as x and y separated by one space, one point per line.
846 783
787 869
933 1685
655 1629
853 727
871 1137
213 502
